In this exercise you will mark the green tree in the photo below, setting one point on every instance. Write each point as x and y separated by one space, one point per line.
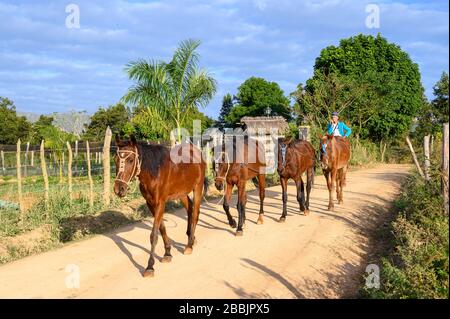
440 102
39 128
115 116
171 91
227 105
393 87
434 113
254 96
12 126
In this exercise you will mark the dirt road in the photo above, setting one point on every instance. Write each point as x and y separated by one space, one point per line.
320 255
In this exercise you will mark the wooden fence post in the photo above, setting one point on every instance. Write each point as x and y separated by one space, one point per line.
3 161
426 153
69 171
106 168
76 149
444 180
19 182
25 166
414 157
44 175
32 158
91 183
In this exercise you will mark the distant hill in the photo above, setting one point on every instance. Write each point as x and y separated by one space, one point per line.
72 121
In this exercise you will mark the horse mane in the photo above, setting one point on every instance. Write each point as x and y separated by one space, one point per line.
152 155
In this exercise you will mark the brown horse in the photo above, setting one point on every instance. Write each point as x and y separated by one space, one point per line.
238 163
163 175
294 158
334 157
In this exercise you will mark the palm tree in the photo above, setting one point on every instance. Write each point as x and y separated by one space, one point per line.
171 91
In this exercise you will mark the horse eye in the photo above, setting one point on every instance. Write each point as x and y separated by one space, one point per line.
130 160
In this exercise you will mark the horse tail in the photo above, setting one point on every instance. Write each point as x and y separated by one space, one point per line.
205 185
255 182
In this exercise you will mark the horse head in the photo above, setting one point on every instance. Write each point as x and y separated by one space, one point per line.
127 163
326 150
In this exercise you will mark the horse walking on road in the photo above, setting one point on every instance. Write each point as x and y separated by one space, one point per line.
236 164
294 158
334 156
163 175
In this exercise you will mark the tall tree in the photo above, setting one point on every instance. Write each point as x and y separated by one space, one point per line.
115 116
227 105
171 91
12 126
391 78
440 102
254 96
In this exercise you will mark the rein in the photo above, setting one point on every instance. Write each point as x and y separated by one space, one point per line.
123 156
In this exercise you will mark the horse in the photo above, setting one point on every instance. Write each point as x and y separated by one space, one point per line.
334 156
163 175
238 163
294 158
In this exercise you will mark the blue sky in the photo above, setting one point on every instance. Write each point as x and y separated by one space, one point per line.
46 67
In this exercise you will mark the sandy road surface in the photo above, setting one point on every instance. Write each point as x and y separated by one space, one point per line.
320 255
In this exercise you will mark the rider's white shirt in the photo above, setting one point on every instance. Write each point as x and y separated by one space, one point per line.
335 130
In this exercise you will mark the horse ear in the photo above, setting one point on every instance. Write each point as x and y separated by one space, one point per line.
330 136
133 139
117 139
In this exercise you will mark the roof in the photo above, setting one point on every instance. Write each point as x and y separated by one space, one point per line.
266 123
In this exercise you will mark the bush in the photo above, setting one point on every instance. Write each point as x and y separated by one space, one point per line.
363 152
418 264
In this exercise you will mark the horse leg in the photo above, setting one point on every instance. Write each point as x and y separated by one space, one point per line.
194 220
300 193
226 205
242 200
158 213
187 203
331 185
284 197
309 180
167 255
262 195
343 173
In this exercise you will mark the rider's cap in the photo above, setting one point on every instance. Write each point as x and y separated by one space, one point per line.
335 114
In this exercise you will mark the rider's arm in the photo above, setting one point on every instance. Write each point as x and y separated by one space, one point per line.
330 128
347 129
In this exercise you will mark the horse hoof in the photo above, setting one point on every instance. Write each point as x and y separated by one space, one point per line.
239 233
260 221
187 251
233 224
306 213
331 209
282 219
340 202
149 273
166 259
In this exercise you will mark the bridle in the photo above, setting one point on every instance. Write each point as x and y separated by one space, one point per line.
283 154
224 178
123 155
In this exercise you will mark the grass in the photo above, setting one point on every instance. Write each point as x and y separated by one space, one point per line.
416 261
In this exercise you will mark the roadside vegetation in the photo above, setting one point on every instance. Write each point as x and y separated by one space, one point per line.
417 262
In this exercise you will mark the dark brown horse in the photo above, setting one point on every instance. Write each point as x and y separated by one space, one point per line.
334 157
294 158
237 163
163 175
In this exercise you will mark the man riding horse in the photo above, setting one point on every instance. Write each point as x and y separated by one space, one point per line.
334 157
337 128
